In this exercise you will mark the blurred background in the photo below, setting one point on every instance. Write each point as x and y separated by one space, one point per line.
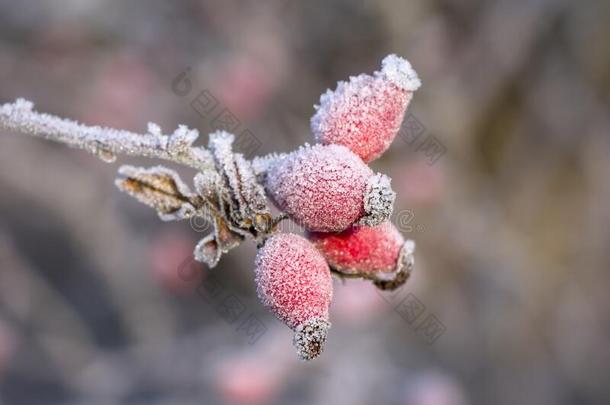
511 220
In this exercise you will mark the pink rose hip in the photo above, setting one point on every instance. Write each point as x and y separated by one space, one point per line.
327 188
362 250
365 113
293 280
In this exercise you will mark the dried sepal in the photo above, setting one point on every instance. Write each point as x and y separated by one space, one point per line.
213 246
210 187
213 189
378 200
253 194
220 241
244 199
406 264
207 251
262 164
220 145
226 237
207 185
309 338
400 72
159 188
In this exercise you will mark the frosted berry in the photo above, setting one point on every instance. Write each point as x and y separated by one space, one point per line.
365 113
362 249
293 280
327 188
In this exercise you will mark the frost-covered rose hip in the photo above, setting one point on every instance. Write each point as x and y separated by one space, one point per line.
327 188
366 112
293 280
363 249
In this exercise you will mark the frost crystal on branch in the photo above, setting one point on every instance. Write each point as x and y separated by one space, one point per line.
104 142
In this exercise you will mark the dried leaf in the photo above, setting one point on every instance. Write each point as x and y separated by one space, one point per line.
159 188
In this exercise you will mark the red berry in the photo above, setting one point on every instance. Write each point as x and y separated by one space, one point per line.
294 282
365 113
362 249
328 188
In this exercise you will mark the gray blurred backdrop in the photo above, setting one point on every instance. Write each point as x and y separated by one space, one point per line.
511 221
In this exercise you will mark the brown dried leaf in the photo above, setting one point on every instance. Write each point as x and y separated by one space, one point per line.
159 188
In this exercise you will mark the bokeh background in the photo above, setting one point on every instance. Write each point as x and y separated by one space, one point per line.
512 222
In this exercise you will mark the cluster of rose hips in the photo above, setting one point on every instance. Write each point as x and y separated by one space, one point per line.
329 190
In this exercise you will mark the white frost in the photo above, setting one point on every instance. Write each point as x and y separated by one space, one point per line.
106 142
400 72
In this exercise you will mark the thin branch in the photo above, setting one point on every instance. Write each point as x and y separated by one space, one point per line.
107 142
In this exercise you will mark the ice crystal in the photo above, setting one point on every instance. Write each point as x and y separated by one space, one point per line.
104 142
405 265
